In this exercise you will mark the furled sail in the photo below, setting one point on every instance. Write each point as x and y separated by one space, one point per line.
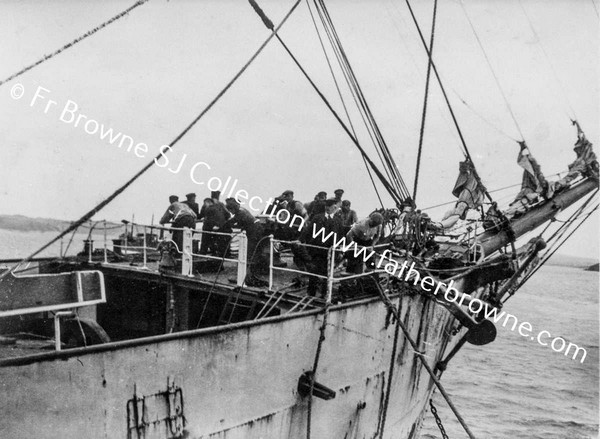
533 185
585 165
470 193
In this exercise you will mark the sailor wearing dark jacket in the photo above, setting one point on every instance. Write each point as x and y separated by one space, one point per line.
244 220
179 215
319 256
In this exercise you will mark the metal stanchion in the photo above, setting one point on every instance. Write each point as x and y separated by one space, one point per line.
105 249
145 266
270 262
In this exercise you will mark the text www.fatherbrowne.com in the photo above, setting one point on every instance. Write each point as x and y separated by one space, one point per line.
408 273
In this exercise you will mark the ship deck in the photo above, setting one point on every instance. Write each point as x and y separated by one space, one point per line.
232 303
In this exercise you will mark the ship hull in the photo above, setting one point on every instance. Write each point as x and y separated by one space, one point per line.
235 381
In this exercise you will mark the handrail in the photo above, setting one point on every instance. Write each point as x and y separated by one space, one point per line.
186 252
330 278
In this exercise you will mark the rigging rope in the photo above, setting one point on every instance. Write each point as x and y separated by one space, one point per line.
391 190
595 8
353 91
359 97
442 88
128 183
342 98
434 378
483 118
556 78
489 63
390 374
422 130
75 41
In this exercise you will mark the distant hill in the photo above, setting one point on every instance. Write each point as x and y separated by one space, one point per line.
595 267
571 261
26 224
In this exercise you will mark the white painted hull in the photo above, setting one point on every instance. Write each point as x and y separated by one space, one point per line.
236 381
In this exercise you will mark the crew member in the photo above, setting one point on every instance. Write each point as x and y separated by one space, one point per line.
191 202
338 197
366 233
215 217
317 205
347 216
179 215
319 256
254 233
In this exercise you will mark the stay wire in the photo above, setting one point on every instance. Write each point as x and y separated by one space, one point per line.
365 106
128 183
442 88
74 42
342 98
489 63
558 246
480 116
393 193
353 92
370 123
425 100
542 48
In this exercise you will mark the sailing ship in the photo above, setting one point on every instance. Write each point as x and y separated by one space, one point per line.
148 344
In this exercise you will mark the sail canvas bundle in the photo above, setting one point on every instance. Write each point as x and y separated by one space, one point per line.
470 193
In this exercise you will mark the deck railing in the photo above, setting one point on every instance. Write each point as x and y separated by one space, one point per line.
330 277
147 237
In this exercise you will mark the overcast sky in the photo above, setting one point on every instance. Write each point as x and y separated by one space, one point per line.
149 74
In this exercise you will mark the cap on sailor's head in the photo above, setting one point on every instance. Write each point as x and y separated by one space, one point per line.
215 194
288 192
190 195
330 202
338 191
173 198
377 218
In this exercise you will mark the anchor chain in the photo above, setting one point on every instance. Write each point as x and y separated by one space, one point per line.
438 421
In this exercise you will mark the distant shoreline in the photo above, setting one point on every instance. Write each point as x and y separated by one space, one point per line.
21 223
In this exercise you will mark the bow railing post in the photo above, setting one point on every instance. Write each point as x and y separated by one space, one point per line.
242 258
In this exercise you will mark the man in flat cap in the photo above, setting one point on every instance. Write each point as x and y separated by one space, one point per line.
179 215
255 252
347 216
338 197
317 205
215 217
319 256
191 203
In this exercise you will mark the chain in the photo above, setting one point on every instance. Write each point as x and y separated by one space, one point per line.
438 421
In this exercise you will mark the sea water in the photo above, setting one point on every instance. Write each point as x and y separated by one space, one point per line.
515 388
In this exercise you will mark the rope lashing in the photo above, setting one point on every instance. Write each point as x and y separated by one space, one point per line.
75 41
386 300
425 100
128 183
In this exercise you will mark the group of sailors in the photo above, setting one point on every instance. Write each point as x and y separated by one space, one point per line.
331 214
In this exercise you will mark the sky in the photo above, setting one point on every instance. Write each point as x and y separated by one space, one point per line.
149 74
